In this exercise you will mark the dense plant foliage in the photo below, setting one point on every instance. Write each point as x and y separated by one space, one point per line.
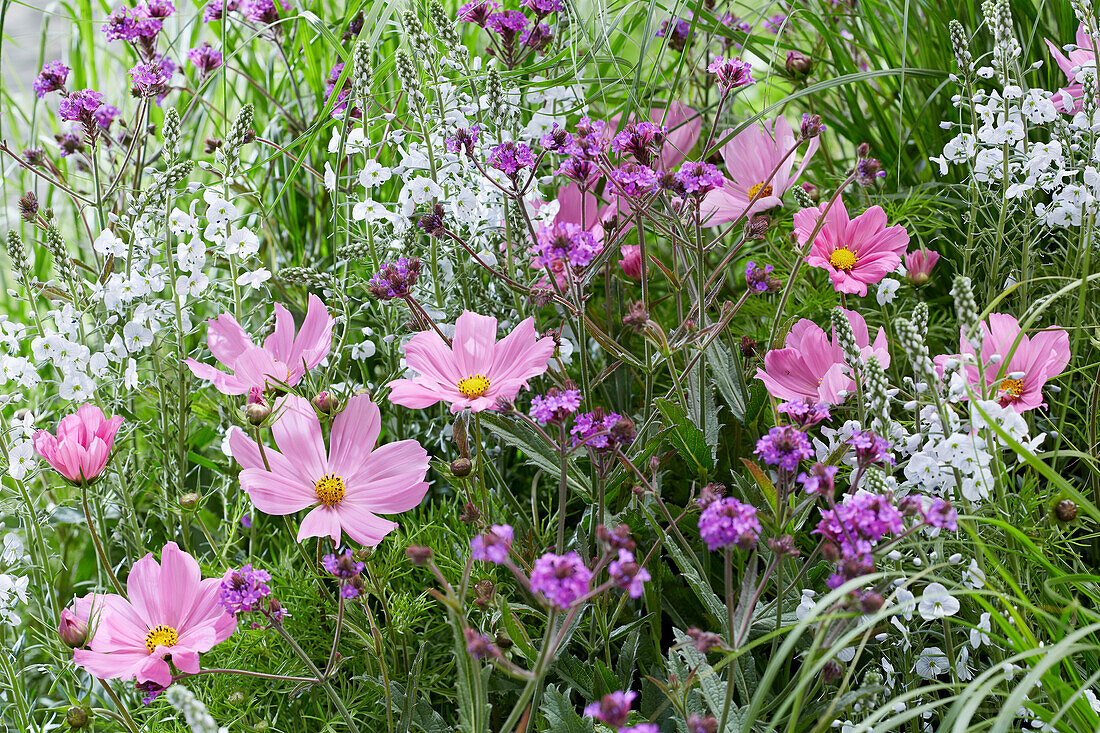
552 366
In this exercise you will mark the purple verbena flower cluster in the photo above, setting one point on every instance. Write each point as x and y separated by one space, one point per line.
627 574
492 545
731 73
510 158
243 590
395 279
344 566
760 280
613 708
51 79
870 449
699 179
206 58
554 407
560 579
784 446
728 522
602 432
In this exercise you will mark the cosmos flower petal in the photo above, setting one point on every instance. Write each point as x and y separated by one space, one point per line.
322 521
297 432
277 493
354 433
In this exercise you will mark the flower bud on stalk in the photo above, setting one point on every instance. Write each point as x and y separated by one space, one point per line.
73 631
171 131
798 65
17 252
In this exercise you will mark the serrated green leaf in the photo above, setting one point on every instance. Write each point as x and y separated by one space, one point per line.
686 437
561 716
535 447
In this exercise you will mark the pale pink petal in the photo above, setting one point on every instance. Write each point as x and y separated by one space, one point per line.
179 584
227 340
297 432
473 342
314 340
155 669
363 526
428 355
391 480
110 666
246 452
185 660
521 354
416 393
281 341
354 433
227 384
274 493
141 586
323 521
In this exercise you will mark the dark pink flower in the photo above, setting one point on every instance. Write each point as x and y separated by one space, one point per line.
855 252
82 446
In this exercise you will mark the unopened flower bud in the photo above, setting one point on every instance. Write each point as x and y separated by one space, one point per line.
798 65
503 640
324 403
812 191
485 591
637 317
783 546
831 672
870 602
257 412
700 724
830 552
623 430
461 467
470 514
418 554
72 630
190 501
78 717
704 640
758 227
617 539
1065 511
28 206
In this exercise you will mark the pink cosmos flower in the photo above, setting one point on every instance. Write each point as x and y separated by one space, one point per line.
172 613
1035 360
283 359
855 252
477 370
919 264
750 158
347 485
1068 98
82 446
810 366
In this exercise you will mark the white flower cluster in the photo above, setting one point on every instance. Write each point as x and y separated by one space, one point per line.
960 457
1037 148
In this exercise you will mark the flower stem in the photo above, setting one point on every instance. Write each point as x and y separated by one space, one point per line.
95 539
322 679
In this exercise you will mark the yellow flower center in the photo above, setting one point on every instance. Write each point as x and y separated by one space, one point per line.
473 386
761 189
161 636
843 258
329 489
1011 389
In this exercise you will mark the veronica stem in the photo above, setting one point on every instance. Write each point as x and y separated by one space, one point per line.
95 540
